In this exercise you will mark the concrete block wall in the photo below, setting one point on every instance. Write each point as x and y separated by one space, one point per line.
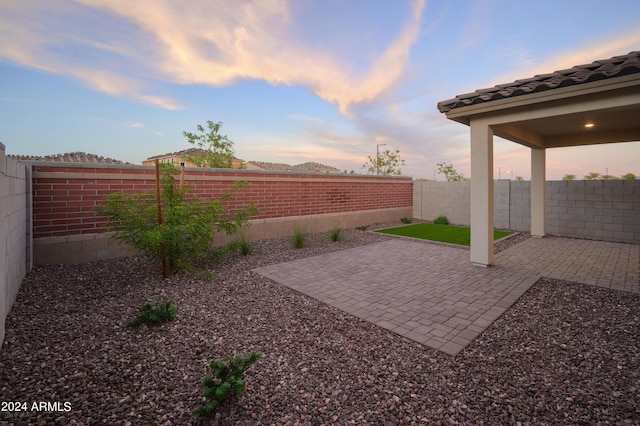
450 199
67 229
14 232
600 210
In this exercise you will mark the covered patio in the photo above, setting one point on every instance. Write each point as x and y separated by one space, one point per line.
588 104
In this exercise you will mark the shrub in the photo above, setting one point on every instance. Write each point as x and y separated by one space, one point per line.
244 246
362 228
441 220
334 234
226 381
406 220
188 222
150 315
298 238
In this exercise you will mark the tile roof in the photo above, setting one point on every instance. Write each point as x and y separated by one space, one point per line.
183 153
69 157
599 70
304 167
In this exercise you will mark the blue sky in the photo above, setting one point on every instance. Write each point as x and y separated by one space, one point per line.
293 81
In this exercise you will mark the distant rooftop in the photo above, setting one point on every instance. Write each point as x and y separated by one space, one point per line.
309 166
69 157
599 70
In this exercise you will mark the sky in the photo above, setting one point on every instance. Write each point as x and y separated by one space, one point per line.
293 80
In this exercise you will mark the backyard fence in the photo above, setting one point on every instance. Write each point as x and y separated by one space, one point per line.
601 210
67 229
15 255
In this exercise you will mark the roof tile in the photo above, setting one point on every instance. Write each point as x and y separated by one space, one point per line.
598 70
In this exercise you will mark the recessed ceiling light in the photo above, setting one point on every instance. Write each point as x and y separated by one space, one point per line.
589 125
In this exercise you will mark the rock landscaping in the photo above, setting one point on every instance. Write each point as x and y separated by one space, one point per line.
565 353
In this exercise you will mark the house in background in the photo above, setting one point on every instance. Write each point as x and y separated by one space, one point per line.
69 157
179 157
308 167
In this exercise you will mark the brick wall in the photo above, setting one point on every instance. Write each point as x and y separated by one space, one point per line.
601 210
15 256
64 198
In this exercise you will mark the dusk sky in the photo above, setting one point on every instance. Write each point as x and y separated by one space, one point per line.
293 81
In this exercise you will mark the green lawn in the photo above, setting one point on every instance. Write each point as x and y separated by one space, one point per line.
460 235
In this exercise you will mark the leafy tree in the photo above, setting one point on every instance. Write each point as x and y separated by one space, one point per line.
609 177
450 174
216 149
387 163
592 176
629 176
519 178
188 227
569 177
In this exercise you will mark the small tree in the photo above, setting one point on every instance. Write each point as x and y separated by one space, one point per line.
387 163
189 222
569 177
609 177
216 150
629 176
592 176
519 179
450 174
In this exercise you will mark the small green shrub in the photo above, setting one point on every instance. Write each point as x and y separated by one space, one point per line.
406 220
441 220
226 381
244 246
334 234
151 315
362 228
298 238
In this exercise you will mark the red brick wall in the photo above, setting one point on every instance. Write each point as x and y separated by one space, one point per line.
64 196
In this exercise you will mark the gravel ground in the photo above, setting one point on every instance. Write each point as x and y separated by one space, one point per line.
565 353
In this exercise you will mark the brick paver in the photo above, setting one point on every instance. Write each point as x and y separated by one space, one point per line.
432 294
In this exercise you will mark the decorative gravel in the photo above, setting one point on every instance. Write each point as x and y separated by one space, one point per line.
565 353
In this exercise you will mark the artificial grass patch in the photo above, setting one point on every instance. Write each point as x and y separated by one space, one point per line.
460 235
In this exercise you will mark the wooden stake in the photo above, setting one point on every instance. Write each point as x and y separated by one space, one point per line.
181 176
163 255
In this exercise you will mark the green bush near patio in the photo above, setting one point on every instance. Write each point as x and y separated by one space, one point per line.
460 235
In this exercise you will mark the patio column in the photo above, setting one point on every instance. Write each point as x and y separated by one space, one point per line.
481 193
538 190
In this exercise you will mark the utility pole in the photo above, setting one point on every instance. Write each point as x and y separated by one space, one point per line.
378 157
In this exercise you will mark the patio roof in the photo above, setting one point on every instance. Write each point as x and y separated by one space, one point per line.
588 104
551 110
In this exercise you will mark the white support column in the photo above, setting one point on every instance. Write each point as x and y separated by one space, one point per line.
538 190
481 194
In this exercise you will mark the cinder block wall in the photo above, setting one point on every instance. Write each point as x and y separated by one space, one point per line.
601 210
450 199
14 227
67 230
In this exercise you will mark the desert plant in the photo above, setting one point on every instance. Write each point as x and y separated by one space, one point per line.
244 246
152 315
441 220
334 234
362 227
226 381
188 222
298 237
406 220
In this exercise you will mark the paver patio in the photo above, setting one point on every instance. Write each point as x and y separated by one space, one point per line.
432 294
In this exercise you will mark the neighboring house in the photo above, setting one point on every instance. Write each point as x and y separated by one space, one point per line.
281 167
69 157
179 157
